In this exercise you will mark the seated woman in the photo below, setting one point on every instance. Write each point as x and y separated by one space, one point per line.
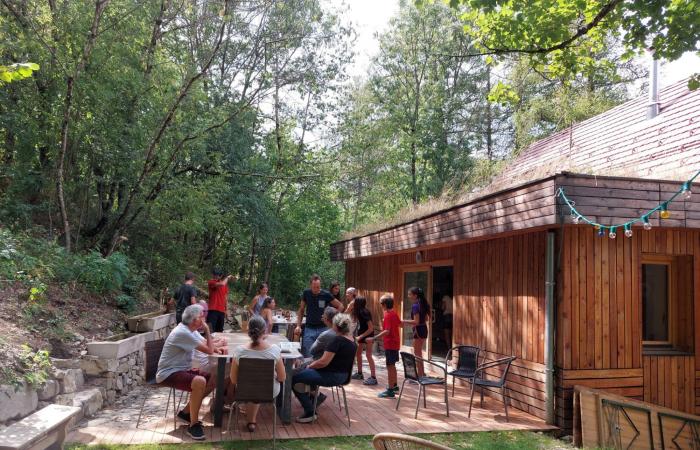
332 369
268 307
258 348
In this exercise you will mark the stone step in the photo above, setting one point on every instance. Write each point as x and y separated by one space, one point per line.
89 401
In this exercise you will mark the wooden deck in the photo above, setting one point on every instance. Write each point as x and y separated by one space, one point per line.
369 415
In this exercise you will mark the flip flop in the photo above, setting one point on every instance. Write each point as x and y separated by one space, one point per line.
251 426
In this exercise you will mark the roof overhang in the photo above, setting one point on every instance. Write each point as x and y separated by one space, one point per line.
607 200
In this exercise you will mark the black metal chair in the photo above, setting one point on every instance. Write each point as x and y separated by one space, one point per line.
255 384
481 381
410 371
336 387
467 363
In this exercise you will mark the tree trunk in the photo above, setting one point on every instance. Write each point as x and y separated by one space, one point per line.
251 277
489 118
100 6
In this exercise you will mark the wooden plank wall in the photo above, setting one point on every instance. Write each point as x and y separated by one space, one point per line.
599 317
670 381
498 302
520 208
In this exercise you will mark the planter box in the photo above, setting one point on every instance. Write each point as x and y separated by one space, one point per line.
124 344
150 321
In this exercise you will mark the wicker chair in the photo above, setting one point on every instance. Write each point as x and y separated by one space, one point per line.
153 352
394 441
256 378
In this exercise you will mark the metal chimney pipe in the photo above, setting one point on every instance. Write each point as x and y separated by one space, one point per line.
653 107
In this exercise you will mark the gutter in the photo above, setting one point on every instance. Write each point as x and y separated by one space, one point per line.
549 321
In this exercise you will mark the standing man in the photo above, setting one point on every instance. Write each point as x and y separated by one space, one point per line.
314 302
218 292
185 296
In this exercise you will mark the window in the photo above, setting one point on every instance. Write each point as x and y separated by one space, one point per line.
655 305
667 303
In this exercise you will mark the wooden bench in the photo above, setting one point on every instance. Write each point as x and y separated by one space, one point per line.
45 428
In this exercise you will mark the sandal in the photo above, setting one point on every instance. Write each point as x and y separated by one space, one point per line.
251 426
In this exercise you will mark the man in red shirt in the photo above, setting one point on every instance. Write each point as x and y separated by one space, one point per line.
392 344
218 291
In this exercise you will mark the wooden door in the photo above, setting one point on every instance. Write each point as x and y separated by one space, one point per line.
418 276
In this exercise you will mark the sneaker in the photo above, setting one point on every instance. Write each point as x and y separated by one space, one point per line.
358 376
321 398
389 393
371 381
307 418
184 416
196 431
396 388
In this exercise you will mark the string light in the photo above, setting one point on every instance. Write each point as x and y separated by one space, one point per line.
685 193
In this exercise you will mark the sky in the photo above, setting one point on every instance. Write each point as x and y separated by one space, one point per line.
372 16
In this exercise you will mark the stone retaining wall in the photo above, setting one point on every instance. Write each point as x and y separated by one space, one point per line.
89 382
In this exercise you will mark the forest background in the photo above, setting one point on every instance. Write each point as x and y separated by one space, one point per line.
159 137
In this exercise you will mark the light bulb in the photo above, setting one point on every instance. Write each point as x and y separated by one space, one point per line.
628 232
665 214
576 219
687 193
612 235
647 226
601 232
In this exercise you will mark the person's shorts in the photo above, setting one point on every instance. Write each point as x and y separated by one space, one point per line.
392 357
364 339
420 332
182 381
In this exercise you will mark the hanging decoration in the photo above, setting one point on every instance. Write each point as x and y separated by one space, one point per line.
685 193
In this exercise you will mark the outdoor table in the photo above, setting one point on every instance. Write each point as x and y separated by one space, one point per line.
284 400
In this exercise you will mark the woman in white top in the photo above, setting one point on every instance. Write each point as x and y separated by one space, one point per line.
258 348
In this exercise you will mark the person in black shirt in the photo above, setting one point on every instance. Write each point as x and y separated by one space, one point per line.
313 301
365 338
332 369
184 296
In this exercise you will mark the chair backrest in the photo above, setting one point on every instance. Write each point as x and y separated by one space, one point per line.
410 369
467 357
503 362
395 441
153 351
256 378
290 332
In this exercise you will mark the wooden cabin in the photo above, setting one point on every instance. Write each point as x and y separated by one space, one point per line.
616 314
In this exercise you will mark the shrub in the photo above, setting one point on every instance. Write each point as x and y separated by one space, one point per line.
102 275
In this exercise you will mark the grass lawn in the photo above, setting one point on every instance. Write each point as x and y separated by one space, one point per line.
497 440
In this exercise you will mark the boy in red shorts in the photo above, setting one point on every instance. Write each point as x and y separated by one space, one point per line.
392 343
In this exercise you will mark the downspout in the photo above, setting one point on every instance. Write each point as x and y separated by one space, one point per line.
653 105
549 330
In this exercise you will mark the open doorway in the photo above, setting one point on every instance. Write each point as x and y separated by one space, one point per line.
442 311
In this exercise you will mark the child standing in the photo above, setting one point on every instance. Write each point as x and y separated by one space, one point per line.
392 344
365 338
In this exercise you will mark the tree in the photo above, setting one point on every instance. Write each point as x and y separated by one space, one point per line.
561 37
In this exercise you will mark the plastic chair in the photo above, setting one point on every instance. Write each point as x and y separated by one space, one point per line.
410 370
481 381
395 441
256 378
467 363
